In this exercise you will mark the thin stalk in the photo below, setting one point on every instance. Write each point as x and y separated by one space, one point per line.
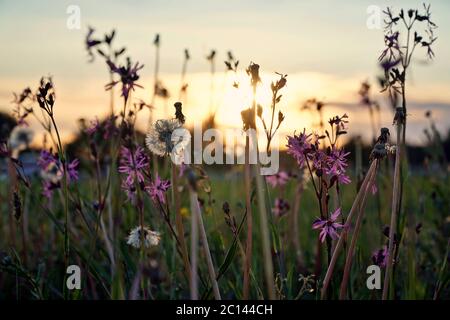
267 253
194 249
179 221
356 203
209 261
351 250
248 205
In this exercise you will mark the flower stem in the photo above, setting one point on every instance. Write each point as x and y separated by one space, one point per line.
396 194
351 250
356 203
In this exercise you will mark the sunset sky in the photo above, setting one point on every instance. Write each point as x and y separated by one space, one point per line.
325 48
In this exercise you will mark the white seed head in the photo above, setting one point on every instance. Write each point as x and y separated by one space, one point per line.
151 238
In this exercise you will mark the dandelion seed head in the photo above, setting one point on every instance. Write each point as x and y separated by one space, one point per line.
164 138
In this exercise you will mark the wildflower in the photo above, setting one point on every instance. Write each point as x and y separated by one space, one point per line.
20 138
48 187
157 189
184 212
380 257
374 188
72 170
337 165
130 191
128 76
299 147
45 158
150 238
91 43
281 207
328 226
133 164
52 173
94 127
279 179
164 138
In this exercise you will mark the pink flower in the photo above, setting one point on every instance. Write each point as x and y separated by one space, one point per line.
380 257
337 161
373 188
72 170
299 147
279 179
93 127
328 227
133 164
130 191
157 189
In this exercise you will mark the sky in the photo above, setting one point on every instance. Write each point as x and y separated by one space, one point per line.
325 47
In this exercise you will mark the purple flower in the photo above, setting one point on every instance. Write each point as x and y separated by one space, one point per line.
157 188
281 207
392 46
337 161
45 159
130 191
380 257
299 146
374 188
72 170
133 164
128 76
279 179
328 227
343 179
48 187
91 43
94 127
320 161
337 164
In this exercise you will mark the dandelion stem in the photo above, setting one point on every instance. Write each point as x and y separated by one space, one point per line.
179 221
